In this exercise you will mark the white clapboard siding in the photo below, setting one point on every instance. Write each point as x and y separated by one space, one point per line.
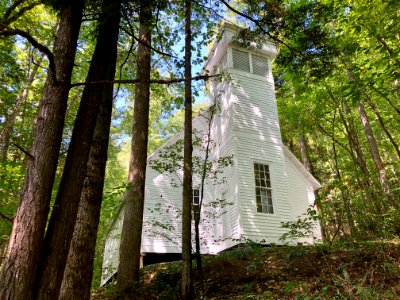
258 139
301 192
111 248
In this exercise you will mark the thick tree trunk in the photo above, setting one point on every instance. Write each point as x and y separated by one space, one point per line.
131 236
17 275
61 225
187 193
79 269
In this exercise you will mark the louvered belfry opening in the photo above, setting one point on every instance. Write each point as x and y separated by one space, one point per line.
241 60
260 65
251 63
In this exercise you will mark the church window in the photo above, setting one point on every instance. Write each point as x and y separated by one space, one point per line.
263 188
196 197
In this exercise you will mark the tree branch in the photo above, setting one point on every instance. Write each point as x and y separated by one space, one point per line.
12 31
7 14
23 150
158 81
8 20
130 33
6 218
257 23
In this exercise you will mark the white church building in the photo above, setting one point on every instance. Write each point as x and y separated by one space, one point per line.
264 185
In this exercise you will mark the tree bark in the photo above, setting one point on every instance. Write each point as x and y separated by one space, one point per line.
131 236
382 123
344 194
197 209
373 146
187 193
17 275
61 225
380 166
304 154
79 268
354 141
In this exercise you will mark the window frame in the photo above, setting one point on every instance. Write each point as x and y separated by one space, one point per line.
194 196
250 55
267 207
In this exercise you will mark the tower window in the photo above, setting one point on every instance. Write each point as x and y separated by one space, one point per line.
263 188
251 63
241 60
260 65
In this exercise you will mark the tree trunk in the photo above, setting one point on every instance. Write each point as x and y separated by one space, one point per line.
60 232
131 236
17 275
304 154
344 194
187 193
359 158
374 148
382 123
354 141
197 209
352 137
79 268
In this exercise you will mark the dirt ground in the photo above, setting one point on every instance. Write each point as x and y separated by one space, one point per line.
250 271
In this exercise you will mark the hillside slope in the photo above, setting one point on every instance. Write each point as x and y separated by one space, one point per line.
356 271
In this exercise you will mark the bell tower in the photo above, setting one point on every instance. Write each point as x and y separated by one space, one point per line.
247 127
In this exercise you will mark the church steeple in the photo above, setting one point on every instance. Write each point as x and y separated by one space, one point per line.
228 54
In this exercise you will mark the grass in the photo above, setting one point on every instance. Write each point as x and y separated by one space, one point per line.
352 271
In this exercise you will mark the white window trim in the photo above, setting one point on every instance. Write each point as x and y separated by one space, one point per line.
274 206
251 53
198 196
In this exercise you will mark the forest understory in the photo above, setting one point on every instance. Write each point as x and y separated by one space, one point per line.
343 271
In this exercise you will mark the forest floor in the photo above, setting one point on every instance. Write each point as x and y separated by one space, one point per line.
250 271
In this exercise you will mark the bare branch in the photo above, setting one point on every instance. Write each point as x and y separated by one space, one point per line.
130 33
257 23
7 14
13 31
8 20
158 81
23 150
6 217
